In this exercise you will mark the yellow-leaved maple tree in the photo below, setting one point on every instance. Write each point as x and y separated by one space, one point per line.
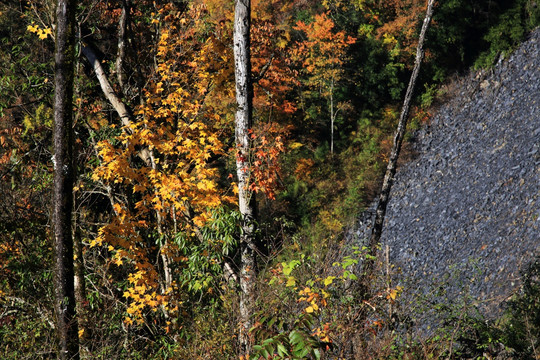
175 192
183 126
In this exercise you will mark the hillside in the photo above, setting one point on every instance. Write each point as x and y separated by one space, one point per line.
178 178
464 216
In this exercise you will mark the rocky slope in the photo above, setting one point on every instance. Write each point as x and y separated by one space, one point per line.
465 214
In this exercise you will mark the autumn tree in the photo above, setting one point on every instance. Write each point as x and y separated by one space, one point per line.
323 53
171 264
64 175
400 20
164 163
163 159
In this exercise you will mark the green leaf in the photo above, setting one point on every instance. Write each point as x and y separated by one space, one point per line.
295 337
265 354
269 349
301 353
286 270
282 350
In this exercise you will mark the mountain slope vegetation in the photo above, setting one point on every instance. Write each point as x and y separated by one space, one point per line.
158 232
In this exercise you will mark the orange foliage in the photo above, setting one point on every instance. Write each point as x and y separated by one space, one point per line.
323 51
322 55
270 43
267 141
400 30
186 116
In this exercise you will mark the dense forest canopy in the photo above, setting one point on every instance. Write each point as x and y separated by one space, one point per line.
159 239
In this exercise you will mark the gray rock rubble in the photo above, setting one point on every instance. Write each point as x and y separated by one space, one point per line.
466 211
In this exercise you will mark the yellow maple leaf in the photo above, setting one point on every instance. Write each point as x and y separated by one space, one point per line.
138 188
43 33
96 242
32 28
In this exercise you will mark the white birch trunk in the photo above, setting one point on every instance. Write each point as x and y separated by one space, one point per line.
246 199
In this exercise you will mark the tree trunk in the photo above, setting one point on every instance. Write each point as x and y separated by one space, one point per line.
108 91
67 327
246 198
121 53
126 117
394 155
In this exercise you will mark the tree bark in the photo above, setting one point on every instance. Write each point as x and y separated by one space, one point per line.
67 328
122 36
375 237
246 198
